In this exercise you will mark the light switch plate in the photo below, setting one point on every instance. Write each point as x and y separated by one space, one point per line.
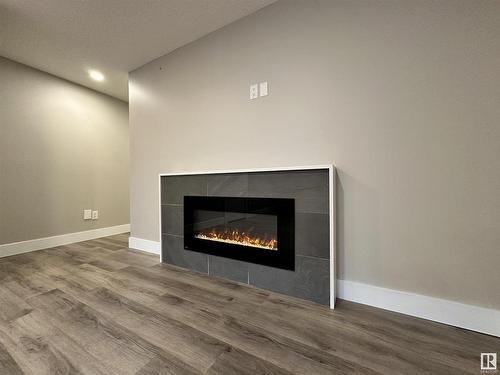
263 89
254 91
87 214
95 215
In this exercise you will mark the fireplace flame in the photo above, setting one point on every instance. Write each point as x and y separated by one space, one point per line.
234 236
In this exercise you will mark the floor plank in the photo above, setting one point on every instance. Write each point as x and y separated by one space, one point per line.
346 339
238 362
40 347
167 366
174 337
13 306
97 307
8 365
120 351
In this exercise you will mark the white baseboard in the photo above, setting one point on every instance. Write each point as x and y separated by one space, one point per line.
457 314
63 239
144 245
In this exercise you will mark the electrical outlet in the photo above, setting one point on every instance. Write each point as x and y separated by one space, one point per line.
263 89
95 215
87 214
254 91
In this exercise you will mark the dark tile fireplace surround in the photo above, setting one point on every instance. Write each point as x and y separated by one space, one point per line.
283 219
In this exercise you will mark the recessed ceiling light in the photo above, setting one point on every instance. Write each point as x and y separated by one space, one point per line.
96 75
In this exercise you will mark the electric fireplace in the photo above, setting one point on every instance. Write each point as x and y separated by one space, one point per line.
257 230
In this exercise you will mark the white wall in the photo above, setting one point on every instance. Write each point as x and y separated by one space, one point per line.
63 148
403 97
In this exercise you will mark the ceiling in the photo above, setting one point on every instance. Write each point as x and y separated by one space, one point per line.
68 37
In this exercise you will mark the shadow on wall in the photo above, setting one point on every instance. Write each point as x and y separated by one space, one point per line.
357 229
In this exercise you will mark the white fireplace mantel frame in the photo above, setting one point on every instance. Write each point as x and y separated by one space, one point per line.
331 204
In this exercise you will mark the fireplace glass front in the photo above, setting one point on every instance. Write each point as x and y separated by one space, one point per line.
257 230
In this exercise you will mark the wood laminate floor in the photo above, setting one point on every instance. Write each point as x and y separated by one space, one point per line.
97 307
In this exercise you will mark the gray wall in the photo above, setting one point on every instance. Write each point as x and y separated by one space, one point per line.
63 148
402 96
